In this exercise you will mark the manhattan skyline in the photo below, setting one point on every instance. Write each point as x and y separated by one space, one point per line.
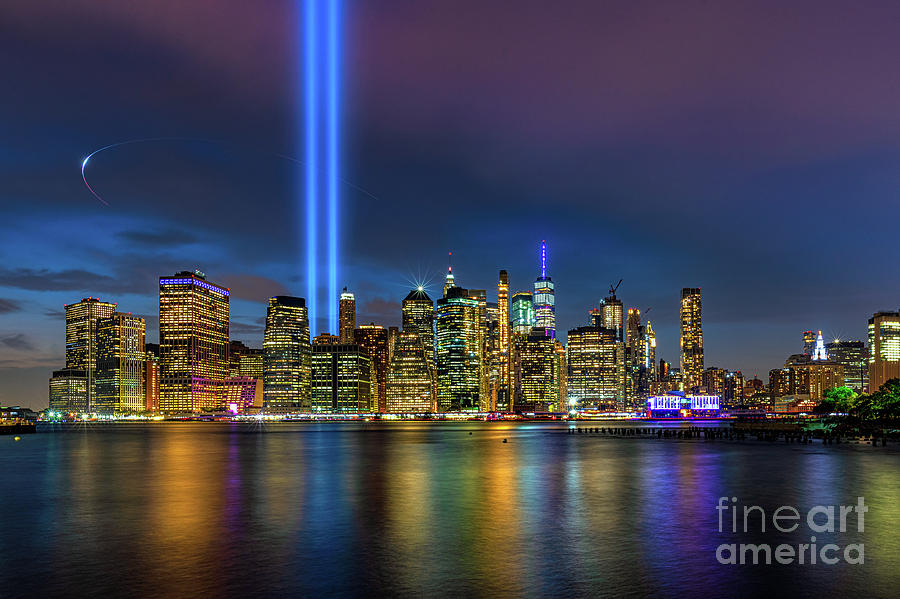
648 163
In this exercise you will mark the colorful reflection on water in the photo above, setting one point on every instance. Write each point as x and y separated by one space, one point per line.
407 508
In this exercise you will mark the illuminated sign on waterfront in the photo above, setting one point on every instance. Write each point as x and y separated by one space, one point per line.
704 402
665 402
677 402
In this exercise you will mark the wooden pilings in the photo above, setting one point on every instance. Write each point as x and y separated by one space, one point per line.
711 434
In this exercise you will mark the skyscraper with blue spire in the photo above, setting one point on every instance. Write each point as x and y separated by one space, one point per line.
545 298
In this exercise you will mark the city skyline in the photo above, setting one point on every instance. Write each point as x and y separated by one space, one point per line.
608 364
610 307
628 171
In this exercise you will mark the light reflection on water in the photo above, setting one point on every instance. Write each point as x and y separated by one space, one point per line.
418 508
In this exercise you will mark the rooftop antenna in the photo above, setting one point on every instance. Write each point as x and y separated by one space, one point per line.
543 259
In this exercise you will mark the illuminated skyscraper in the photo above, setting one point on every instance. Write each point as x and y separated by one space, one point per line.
813 377
151 377
341 379
495 400
503 323
691 338
418 316
634 330
714 381
244 361
458 351
884 349
121 358
650 353
193 343
612 311
537 372
347 314
820 353
545 298
522 313
69 391
779 382
734 388
287 356
449 281
596 368
393 340
409 380
562 368
634 354
81 341
373 340
809 342
484 394
853 357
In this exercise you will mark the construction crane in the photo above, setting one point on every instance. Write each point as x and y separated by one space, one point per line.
612 290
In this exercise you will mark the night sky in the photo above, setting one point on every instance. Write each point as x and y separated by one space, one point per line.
748 148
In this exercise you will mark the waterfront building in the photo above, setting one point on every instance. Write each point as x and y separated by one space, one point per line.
713 381
779 382
243 394
497 399
287 356
193 343
458 351
537 372
544 298
678 405
734 388
409 379
852 355
82 339
810 378
691 338
596 367
347 316
484 393
151 377
562 367
418 315
121 361
69 391
342 379
884 349
523 319
245 361
373 340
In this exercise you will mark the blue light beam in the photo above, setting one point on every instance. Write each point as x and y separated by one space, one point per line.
311 153
332 142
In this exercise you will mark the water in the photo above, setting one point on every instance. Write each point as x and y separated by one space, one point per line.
195 509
